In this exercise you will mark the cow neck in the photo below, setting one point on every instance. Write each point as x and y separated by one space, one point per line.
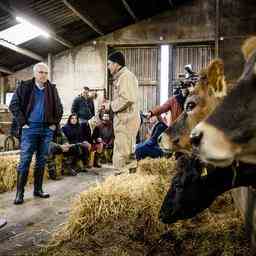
221 180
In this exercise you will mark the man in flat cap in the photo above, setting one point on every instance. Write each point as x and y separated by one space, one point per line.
125 107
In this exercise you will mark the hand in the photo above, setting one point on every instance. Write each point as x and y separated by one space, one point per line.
52 127
148 115
25 126
65 147
106 105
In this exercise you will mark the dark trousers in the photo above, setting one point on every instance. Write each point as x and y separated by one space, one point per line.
150 147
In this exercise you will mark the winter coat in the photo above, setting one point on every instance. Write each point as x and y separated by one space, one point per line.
83 107
22 103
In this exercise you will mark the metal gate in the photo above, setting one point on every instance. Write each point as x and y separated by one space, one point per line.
144 63
180 55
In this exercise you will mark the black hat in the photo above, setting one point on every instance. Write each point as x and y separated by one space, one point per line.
117 57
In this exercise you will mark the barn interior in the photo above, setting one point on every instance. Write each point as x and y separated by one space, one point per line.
74 38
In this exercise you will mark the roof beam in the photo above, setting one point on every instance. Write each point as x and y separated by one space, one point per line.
6 70
86 19
20 50
28 17
171 3
129 10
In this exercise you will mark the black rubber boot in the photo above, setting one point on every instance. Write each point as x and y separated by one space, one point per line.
38 183
68 166
3 222
96 161
21 183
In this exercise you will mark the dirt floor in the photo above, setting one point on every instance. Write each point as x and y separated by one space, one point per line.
30 225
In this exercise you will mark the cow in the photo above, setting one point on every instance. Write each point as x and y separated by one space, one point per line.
194 187
229 132
207 94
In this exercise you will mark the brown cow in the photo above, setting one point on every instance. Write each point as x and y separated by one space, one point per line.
229 133
208 92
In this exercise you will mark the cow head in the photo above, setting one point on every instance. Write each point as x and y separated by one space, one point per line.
230 131
207 93
194 188
183 200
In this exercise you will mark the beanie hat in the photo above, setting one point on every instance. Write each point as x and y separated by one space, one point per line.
117 57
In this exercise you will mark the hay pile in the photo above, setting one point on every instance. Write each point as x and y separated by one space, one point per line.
120 217
8 172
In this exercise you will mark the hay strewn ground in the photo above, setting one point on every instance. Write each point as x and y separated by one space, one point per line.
120 217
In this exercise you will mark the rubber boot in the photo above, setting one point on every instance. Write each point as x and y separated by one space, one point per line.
96 162
21 183
38 183
67 162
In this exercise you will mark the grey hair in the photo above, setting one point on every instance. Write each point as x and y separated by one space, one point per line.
39 64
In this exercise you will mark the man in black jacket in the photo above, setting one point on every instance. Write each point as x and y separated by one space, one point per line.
37 109
83 106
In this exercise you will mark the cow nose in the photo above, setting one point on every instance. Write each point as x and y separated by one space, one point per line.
196 137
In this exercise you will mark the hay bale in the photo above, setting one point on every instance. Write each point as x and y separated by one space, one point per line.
125 196
8 172
159 166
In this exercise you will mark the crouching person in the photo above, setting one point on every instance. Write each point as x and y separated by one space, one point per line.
37 108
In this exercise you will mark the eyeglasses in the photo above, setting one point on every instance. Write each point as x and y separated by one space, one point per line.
42 72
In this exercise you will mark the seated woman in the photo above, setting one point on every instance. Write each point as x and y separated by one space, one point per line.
79 137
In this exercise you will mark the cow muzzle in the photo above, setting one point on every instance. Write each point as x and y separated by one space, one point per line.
212 145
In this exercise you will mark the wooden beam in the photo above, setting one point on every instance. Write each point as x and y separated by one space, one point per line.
6 70
171 3
33 21
129 10
86 19
20 50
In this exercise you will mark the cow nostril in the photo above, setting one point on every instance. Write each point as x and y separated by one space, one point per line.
195 138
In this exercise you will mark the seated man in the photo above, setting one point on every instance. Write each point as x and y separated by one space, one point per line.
175 106
150 147
105 131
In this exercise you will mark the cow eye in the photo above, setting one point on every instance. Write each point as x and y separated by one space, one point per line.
190 106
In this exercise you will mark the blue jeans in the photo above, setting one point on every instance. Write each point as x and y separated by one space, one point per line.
36 138
150 147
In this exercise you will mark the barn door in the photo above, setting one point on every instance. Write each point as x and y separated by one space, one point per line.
144 63
180 55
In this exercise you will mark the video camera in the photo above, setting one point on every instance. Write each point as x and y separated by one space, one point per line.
185 80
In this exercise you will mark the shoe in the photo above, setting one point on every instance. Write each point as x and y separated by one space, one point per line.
72 172
3 222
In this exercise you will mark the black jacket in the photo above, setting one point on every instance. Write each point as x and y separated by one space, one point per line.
23 99
83 108
77 133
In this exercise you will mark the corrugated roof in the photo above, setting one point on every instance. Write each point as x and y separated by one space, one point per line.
57 17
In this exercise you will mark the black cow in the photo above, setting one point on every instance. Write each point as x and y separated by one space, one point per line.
192 190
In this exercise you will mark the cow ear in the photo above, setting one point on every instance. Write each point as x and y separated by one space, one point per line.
216 78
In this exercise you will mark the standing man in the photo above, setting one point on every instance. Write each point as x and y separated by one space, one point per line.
125 108
37 108
83 106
